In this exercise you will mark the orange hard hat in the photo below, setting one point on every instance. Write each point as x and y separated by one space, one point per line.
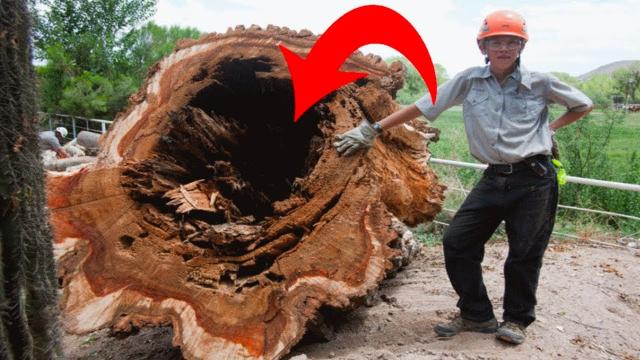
503 22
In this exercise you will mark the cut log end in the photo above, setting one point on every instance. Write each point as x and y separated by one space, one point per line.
210 209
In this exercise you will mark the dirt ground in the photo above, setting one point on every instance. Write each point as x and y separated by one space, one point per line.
588 308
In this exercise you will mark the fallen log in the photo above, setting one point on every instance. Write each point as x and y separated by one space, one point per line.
211 210
55 164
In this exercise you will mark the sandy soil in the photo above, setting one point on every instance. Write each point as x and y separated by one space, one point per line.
588 308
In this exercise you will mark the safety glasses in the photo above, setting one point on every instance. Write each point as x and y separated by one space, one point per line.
498 44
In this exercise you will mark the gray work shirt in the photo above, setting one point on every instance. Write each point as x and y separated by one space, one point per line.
48 141
508 123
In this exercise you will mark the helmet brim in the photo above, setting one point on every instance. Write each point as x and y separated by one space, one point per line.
503 33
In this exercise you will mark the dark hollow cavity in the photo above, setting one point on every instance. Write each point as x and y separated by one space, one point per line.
249 143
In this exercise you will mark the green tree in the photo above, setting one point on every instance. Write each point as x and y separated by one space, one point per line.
94 95
571 80
54 76
144 46
82 43
414 87
627 82
89 32
600 89
66 89
28 286
95 56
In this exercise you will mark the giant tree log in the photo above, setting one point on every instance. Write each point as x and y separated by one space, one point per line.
211 210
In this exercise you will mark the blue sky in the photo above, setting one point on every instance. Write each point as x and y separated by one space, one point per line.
567 36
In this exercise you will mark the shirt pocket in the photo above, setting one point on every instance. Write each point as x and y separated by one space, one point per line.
476 104
535 105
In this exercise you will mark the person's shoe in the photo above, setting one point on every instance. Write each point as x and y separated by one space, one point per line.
511 332
458 324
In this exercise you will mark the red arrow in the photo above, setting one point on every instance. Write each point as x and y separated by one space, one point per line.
319 74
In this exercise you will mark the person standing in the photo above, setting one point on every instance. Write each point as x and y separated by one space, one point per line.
507 124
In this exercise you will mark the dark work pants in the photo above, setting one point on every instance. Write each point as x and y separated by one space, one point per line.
527 203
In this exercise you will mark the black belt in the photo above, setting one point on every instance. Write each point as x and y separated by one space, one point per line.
534 163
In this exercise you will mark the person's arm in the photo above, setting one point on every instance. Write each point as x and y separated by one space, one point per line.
57 147
567 118
48 141
363 136
577 103
62 153
449 94
399 117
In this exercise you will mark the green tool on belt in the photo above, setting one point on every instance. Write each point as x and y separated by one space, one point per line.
562 174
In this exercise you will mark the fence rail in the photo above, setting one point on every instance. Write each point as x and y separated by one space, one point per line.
75 123
601 212
571 179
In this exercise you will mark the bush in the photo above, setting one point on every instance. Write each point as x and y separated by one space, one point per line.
93 95
585 150
414 87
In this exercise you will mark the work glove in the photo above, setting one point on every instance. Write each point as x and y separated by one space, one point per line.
355 139
560 171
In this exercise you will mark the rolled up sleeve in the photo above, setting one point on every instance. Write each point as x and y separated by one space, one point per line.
450 94
48 141
568 96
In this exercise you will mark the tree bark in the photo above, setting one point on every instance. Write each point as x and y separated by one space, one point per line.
28 284
211 210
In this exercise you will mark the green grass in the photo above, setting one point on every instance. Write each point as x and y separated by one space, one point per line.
625 137
428 234
453 140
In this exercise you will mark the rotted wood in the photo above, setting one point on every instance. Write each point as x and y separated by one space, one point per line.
210 210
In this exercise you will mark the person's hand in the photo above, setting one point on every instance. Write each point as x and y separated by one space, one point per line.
62 154
355 139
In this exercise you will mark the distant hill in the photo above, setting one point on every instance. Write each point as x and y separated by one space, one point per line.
606 69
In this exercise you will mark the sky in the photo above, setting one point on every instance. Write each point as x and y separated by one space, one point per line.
565 36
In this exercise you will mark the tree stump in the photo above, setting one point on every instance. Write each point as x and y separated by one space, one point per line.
211 210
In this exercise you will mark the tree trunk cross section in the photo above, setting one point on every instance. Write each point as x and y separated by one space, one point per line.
211 210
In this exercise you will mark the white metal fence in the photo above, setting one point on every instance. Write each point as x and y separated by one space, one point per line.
74 123
572 179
